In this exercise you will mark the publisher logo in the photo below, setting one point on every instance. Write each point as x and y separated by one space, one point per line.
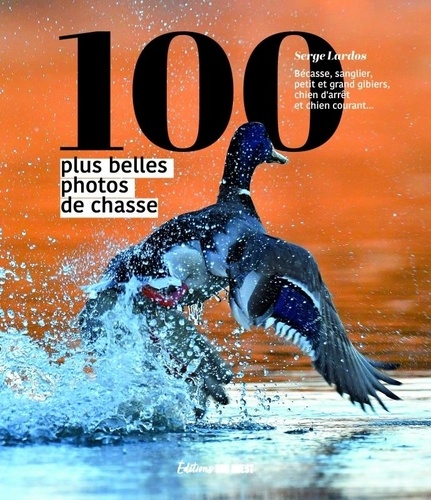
223 468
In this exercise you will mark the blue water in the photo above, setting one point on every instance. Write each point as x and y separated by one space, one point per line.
293 440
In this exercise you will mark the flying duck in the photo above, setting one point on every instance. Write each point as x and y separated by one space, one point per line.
184 262
277 284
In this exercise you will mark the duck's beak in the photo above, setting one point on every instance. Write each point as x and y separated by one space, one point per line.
276 157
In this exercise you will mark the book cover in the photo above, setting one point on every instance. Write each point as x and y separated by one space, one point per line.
117 117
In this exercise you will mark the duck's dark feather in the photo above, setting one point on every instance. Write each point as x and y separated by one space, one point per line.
192 248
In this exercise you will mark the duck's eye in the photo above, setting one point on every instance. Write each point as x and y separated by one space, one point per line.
265 148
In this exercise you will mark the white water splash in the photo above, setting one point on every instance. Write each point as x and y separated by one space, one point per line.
120 389
125 393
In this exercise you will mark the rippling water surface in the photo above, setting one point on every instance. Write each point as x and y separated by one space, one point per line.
294 440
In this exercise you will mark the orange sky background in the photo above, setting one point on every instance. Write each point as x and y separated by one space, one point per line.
360 202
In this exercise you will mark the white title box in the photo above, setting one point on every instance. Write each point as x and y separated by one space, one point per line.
136 167
91 188
108 208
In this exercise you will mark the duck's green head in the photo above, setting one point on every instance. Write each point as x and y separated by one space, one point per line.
250 146
253 146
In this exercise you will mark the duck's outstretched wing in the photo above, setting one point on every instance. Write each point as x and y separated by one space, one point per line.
278 284
337 360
